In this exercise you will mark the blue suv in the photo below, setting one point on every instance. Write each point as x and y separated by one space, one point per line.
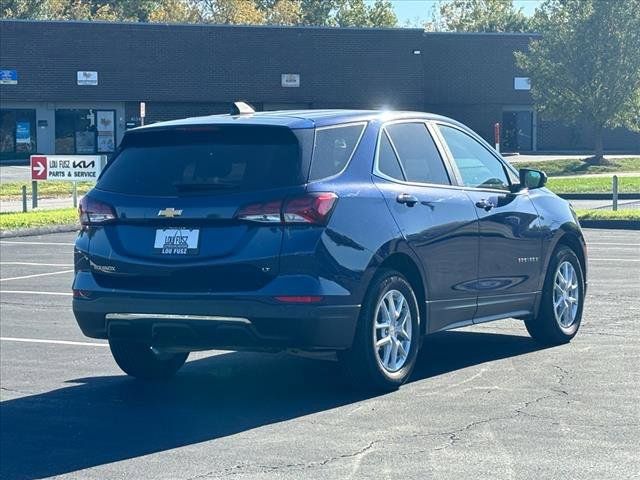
355 232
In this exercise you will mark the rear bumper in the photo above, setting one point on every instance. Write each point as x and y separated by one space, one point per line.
202 322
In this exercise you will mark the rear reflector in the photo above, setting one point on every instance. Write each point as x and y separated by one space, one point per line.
299 299
312 208
93 211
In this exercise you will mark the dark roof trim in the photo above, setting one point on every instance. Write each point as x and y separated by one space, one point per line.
272 27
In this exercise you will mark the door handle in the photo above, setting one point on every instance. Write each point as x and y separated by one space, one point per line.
407 199
485 204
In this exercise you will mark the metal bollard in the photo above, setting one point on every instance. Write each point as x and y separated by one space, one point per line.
34 194
615 193
24 198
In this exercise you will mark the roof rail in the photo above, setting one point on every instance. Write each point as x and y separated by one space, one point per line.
242 108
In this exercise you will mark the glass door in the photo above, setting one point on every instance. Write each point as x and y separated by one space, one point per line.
517 131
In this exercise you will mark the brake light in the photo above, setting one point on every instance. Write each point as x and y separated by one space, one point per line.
312 208
93 212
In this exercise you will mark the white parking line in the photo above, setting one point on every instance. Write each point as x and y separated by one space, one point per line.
34 264
33 292
54 342
11 242
613 260
36 275
621 244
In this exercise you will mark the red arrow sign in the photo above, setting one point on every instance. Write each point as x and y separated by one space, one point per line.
38 167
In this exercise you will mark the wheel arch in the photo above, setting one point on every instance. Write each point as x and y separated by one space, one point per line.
407 266
572 238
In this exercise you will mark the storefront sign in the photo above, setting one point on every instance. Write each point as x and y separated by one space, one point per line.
522 83
290 80
87 78
8 77
70 168
23 132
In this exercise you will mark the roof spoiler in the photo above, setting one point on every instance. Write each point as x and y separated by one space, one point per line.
242 108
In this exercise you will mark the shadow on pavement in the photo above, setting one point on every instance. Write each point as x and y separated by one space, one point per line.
101 420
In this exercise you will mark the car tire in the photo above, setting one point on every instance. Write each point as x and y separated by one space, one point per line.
139 360
398 343
560 312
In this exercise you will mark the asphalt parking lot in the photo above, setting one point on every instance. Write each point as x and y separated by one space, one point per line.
484 402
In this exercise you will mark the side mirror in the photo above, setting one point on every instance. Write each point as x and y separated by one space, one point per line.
530 178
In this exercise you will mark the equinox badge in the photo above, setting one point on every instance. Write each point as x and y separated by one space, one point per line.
169 213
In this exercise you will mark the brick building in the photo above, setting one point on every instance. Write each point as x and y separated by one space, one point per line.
74 87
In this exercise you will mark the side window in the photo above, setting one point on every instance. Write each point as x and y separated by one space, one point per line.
333 149
477 166
417 152
387 159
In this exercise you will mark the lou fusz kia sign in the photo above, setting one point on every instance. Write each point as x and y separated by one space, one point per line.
70 168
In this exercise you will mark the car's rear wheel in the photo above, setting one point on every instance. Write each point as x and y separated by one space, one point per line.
562 300
140 360
387 337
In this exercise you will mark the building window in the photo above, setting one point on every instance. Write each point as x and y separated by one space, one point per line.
17 132
85 131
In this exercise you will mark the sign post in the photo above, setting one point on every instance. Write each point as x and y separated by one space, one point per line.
143 112
496 136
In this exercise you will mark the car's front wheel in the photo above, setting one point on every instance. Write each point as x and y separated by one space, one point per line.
562 300
140 360
388 335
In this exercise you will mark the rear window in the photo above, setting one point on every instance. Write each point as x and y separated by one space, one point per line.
211 159
333 149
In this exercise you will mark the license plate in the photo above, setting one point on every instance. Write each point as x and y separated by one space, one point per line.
176 241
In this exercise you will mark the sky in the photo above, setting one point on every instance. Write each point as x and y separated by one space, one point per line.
419 11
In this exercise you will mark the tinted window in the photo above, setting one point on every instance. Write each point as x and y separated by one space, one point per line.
418 154
478 167
333 149
204 159
387 160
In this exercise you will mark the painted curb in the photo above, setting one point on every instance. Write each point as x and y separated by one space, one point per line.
611 224
598 196
29 232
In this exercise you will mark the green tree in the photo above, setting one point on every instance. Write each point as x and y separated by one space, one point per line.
356 13
482 16
585 69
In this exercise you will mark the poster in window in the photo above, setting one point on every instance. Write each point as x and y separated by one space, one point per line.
106 143
105 127
23 132
85 142
105 121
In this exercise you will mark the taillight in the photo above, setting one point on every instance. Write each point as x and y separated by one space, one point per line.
93 212
312 208
261 212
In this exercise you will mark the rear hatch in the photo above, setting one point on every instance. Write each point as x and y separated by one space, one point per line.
195 208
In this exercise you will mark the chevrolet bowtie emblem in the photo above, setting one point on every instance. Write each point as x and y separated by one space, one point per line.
169 213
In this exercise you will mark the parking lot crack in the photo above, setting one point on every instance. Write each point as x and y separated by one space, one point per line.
242 469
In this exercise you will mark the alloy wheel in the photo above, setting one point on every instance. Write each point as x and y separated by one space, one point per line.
566 294
392 331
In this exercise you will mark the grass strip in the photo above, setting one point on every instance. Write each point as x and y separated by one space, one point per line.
13 190
38 218
623 215
588 184
571 166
